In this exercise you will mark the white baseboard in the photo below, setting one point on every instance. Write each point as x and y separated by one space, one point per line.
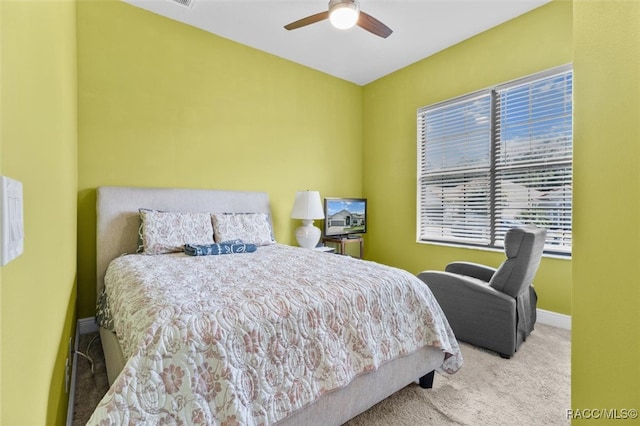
87 325
83 326
554 319
72 387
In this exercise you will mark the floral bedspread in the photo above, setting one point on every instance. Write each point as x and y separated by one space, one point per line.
253 337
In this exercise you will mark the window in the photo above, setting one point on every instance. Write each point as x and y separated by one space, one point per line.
497 159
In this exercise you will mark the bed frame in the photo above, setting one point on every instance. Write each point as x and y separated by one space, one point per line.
117 233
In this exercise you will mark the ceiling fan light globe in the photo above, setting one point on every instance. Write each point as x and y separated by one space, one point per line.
343 14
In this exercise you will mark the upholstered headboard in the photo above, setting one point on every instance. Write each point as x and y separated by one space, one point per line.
118 216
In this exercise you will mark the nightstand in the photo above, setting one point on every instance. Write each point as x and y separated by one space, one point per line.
342 242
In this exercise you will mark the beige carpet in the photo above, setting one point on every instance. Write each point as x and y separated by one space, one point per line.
531 388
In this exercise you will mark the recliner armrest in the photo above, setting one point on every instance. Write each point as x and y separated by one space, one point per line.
475 270
455 285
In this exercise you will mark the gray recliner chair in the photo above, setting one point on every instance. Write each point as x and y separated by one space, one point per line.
492 308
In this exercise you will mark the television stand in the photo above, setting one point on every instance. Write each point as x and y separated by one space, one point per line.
342 241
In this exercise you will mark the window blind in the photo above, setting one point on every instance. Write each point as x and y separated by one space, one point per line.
497 159
455 162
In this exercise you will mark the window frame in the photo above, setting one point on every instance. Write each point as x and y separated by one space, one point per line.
495 229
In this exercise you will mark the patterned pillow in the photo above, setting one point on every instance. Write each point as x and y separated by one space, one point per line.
252 228
168 232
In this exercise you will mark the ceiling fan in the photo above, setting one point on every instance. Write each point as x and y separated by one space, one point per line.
344 14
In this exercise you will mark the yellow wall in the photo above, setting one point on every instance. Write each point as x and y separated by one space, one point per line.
39 146
533 42
1 120
606 287
164 104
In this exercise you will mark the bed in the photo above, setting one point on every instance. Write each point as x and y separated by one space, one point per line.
267 334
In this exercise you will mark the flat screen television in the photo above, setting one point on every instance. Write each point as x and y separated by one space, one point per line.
344 217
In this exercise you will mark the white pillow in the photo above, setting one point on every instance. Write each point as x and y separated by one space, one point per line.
168 232
251 228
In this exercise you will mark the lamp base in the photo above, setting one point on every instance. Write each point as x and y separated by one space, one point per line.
307 234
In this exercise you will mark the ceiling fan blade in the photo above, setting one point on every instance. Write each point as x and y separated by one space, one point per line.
374 26
307 21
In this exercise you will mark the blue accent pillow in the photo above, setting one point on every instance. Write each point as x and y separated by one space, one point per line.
219 248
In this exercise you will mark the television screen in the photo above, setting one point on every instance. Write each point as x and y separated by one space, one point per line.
344 216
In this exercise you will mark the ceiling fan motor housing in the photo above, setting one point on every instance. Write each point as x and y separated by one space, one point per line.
333 3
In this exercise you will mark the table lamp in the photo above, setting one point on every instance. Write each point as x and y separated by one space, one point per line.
307 206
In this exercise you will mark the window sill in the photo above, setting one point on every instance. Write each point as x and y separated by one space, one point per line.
490 249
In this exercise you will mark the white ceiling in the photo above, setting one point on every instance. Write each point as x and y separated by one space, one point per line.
420 29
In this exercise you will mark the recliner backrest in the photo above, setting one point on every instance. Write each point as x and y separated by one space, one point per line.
523 247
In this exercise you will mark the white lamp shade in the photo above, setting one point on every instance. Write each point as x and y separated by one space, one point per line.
307 205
